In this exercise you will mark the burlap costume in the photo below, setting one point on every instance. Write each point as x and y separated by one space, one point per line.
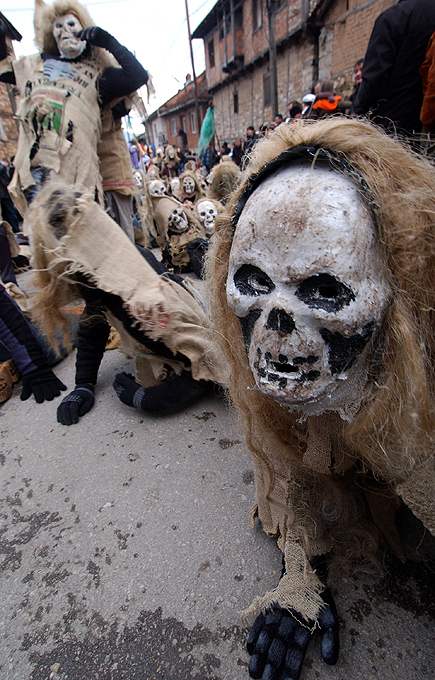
174 243
164 310
198 192
314 478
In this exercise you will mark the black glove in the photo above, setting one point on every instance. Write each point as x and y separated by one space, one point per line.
128 390
97 36
43 383
75 404
278 641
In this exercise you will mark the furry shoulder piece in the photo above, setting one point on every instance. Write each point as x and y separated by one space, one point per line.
71 234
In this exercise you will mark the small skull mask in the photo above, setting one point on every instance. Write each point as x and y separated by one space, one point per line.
171 154
156 188
306 281
138 181
178 221
189 185
206 213
153 173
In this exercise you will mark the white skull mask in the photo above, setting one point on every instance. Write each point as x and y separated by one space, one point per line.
171 154
206 213
178 221
189 185
153 173
65 29
156 188
138 181
307 283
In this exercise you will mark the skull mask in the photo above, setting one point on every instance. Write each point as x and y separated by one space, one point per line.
65 30
178 221
138 181
156 188
189 185
206 213
307 283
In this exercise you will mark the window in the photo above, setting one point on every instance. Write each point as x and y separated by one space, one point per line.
267 91
238 18
211 53
173 127
183 123
257 14
192 122
236 101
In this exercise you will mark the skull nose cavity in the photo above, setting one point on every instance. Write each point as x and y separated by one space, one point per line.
278 320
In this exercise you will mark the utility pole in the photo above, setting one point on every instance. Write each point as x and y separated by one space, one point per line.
198 117
272 56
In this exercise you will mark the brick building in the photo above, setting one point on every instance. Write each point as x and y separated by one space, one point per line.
179 112
314 39
8 126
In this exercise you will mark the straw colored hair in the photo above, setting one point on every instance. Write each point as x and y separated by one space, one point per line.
393 431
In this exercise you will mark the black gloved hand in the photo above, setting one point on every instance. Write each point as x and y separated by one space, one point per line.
44 384
96 36
75 404
128 390
278 641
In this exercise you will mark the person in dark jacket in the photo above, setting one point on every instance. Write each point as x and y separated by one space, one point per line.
391 84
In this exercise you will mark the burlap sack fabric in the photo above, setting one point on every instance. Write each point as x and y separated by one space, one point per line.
60 121
115 164
163 206
89 242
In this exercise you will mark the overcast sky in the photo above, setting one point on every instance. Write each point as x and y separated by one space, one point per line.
156 31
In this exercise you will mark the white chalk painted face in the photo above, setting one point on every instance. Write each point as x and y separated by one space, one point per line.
189 185
156 188
307 283
178 221
65 30
206 213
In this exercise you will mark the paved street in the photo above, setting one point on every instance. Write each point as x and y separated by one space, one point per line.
127 553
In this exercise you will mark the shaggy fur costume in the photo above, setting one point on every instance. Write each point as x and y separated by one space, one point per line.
314 478
223 180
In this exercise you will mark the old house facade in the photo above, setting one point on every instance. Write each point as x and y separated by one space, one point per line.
179 113
314 39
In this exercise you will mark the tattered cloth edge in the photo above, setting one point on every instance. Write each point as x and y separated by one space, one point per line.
96 247
299 590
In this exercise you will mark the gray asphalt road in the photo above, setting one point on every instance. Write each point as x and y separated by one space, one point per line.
127 553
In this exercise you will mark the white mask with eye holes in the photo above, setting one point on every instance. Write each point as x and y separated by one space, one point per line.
65 29
206 213
156 188
138 181
306 281
189 185
178 221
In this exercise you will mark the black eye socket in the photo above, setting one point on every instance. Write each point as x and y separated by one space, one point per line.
250 280
325 292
